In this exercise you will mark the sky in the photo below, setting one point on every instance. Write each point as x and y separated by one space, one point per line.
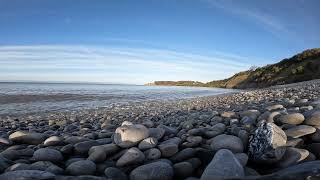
136 42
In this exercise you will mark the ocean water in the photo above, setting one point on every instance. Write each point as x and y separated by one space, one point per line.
24 98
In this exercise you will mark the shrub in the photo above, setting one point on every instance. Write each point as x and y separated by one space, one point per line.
300 69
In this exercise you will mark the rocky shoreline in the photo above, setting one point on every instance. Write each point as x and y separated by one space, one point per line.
270 133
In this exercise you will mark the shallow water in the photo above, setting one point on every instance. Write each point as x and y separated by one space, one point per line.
22 98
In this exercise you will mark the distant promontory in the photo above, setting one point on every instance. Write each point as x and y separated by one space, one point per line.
300 67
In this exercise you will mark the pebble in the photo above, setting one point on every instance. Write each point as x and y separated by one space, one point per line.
47 154
294 118
27 138
128 136
183 155
97 154
152 154
113 173
148 143
26 174
82 167
155 171
53 141
230 142
83 147
168 149
314 119
293 156
300 131
131 156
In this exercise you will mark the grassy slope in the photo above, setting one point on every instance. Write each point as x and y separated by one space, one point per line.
301 67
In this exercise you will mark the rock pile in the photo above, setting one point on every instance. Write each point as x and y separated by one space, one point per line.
259 137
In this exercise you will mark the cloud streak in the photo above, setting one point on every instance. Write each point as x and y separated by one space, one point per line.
113 64
267 21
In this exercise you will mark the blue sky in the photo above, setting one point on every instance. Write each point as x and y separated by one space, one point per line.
124 41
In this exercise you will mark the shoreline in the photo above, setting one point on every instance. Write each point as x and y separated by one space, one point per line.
161 103
183 138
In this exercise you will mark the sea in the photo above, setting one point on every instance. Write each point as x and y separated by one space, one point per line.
17 98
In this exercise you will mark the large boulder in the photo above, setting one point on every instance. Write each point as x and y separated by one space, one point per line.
266 143
128 136
223 165
154 171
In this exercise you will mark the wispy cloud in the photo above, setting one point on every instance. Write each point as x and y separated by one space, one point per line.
267 21
113 64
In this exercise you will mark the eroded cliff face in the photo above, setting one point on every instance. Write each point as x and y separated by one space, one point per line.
301 67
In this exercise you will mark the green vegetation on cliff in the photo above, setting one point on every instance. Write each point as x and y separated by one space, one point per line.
301 67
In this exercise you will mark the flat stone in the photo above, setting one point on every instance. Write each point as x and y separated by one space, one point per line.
53 141
10 154
83 147
128 136
293 156
19 166
82 167
252 113
300 131
307 170
294 118
274 107
5 141
230 142
26 174
27 137
223 165
132 156
314 119
47 154
229 114
153 171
